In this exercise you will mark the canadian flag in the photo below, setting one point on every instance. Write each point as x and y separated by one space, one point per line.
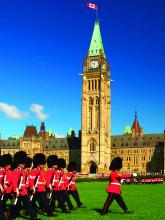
93 6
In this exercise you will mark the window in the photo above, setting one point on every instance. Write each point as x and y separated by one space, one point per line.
97 100
92 146
95 84
90 101
135 160
92 84
143 158
90 118
89 85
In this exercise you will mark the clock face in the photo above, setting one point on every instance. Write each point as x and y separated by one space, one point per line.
94 64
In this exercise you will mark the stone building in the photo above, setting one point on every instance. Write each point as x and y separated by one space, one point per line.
95 113
94 147
141 153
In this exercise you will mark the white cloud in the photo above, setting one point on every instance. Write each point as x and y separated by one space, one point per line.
38 110
60 135
12 111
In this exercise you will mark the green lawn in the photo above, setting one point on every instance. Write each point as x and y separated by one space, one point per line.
147 201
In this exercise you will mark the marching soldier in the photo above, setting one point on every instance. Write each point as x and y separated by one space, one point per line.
114 187
6 180
28 166
37 183
52 179
71 186
2 215
19 188
63 184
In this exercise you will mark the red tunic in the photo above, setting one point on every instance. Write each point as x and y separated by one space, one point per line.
7 181
70 181
19 181
52 179
2 172
62 180
27 172
37 180
115 182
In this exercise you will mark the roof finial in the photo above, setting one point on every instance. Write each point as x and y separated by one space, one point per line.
135 114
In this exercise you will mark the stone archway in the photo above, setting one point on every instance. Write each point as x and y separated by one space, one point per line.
93 168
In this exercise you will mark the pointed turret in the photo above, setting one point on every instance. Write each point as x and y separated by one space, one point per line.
136 129
96 45
42 130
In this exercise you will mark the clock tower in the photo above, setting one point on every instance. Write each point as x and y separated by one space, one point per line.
95 124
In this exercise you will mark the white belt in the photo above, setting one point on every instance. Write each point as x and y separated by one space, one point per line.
41 183
115 184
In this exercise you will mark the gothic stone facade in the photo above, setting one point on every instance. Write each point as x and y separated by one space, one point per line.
143 155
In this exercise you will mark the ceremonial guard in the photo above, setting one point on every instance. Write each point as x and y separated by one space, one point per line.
28 166
71 185
37 183
2 215
19 176
6 179
62 186
114 187
52 179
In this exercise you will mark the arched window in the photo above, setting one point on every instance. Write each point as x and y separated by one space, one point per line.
95 84
99 84
90 118
92 146
97 100
97 113
90 101
89 85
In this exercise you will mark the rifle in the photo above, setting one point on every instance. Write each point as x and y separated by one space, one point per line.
37 180
2 196
70 181
52 181
19 187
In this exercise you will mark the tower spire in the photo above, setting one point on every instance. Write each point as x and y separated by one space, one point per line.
96 46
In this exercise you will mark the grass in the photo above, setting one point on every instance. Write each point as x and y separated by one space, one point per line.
147 201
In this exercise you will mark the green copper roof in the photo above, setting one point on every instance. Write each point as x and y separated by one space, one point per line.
96 41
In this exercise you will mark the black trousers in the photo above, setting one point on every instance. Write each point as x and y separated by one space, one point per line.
2 215
5 199
14 209
61 200
65 197
41 198
109 200
76 196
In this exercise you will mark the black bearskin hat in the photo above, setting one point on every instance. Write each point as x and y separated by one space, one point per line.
72 166
39 159
52 160
116 163
28 163
61 163
6 159
20 157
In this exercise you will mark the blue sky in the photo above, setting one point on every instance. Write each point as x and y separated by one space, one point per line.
42 47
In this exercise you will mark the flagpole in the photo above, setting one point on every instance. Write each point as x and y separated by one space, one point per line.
97 16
